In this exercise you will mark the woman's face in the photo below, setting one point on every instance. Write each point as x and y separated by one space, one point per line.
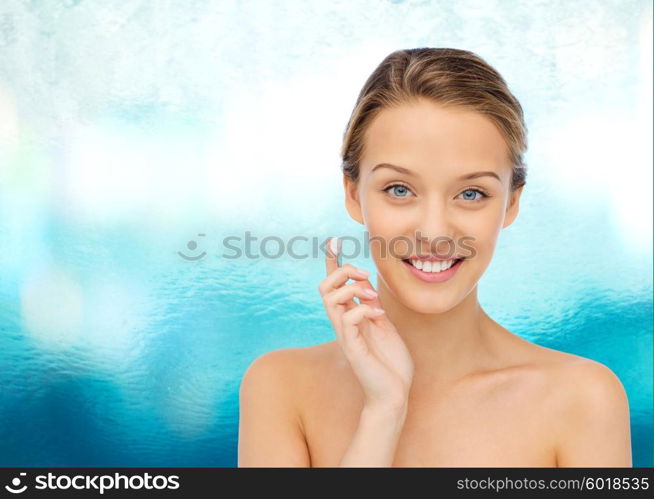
428 208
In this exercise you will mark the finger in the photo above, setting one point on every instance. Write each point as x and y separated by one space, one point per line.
345 294
365 291
340 276
337 305
371 299
331 255
350 338
354 343
352 319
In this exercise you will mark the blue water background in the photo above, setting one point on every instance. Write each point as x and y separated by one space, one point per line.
130 128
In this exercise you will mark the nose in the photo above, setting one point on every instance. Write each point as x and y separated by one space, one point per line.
434 231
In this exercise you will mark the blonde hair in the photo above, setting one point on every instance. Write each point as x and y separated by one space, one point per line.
449 77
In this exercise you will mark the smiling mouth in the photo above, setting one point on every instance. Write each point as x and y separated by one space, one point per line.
435 266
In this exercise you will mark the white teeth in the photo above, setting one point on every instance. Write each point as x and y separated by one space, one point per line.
432 266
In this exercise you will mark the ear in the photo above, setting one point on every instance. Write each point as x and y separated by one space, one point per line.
513 207
352 203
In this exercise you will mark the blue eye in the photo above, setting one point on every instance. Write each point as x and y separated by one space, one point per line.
401 191
483 195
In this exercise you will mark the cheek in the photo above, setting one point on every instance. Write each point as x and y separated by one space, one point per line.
484 231
384 220
388 227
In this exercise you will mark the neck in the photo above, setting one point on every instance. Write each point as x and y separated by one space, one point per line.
444 346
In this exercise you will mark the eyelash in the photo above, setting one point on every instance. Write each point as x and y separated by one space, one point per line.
475 189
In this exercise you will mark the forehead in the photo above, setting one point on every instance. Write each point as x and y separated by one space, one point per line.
425 133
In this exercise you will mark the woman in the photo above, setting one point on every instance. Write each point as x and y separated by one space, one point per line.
419 374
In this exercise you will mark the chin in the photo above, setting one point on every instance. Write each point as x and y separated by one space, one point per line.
422 297
430 302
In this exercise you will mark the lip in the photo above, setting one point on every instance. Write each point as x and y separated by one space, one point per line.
434 258
434 276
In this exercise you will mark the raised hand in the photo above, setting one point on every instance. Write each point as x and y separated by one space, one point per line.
369 340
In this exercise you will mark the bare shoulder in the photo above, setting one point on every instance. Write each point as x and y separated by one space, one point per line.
271 429
584 402
576 376
561 381
566 370
589 386
294 358
288 368
588 410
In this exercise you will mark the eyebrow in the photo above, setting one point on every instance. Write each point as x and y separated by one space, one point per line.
467 176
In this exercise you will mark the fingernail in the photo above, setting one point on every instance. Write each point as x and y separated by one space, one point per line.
363 272
369 292
377 311
333 245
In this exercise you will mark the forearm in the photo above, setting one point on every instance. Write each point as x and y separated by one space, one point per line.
375 439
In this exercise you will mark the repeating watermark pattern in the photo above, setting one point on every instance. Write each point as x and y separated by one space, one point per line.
300 247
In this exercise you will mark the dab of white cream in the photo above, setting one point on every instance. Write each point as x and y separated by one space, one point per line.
333 245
